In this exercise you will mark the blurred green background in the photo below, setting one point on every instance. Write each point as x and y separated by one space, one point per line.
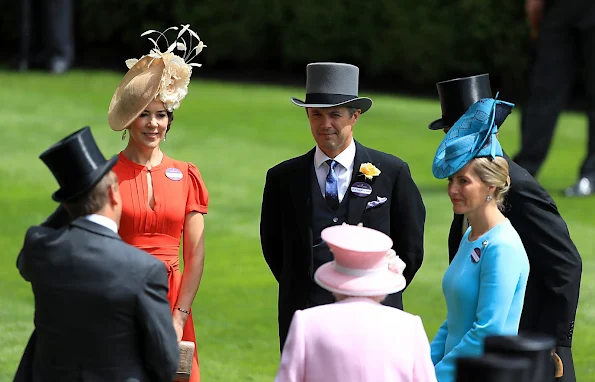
399 45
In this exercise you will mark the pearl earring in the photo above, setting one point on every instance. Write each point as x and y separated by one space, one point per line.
489 198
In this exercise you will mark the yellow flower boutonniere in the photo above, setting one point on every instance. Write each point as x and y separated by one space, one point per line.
369 170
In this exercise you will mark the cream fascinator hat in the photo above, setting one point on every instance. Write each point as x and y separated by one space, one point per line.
164 76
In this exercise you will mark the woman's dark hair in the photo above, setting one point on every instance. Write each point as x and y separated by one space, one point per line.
170 119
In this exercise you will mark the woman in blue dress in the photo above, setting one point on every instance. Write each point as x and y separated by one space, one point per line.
484 286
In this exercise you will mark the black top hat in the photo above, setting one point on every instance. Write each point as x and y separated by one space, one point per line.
537 348
77 164
492 368
457 95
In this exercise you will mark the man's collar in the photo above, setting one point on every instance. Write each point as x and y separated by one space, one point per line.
103 221
345 158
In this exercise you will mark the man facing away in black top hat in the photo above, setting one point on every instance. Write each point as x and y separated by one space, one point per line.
552 293
101 308
338 181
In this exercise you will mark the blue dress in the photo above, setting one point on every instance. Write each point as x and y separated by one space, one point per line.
484 288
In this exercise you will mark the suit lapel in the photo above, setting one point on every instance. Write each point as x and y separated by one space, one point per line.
357 204
455 235
300 186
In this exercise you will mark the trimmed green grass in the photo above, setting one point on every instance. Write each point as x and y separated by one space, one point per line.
234 133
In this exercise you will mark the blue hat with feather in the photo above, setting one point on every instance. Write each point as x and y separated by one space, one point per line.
472 136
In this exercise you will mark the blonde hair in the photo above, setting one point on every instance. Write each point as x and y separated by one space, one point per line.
494 172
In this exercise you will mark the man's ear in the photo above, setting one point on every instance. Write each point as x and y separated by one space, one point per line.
114 194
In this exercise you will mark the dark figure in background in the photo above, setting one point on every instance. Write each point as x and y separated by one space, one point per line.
565 36
47 40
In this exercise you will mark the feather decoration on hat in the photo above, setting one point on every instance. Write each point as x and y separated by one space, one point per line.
178 69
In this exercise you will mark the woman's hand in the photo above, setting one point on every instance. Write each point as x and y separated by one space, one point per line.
179 319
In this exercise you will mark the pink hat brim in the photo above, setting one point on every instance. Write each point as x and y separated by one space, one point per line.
376 284
356 239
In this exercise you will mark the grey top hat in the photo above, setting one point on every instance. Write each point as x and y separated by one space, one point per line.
330 84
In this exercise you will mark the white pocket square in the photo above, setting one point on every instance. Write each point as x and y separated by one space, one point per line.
375 203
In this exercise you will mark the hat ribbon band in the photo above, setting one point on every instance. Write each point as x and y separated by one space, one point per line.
327 98
360 272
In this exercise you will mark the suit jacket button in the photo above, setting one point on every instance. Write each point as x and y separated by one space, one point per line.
335 220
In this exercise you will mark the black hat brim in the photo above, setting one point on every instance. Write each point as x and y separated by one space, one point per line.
362 103
502 112
86 184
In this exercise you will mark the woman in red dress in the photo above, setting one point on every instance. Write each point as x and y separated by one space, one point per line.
164 199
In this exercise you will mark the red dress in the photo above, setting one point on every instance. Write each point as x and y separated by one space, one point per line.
178 189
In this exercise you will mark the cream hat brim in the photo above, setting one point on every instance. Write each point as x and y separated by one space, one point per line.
139 87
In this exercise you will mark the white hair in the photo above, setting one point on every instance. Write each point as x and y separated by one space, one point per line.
341 297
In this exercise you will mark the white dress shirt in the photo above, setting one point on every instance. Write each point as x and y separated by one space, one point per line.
343 170
103 221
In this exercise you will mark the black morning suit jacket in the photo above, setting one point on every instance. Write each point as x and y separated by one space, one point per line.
552 293
286 223
101 308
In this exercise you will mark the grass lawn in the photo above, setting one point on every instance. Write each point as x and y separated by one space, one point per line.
234 133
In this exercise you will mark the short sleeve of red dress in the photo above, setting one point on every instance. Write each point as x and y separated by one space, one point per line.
198 196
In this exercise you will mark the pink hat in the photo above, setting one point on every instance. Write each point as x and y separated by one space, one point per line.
361 266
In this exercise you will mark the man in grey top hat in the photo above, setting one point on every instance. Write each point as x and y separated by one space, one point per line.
339 181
